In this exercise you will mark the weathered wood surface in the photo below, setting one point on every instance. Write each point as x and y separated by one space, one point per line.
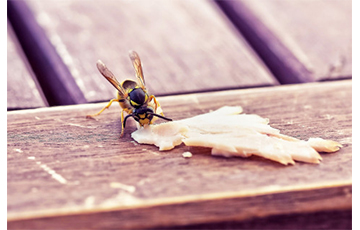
183 49
65 171
300 41
23 91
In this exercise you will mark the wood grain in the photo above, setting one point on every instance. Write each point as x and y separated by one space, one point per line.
65 171
300 41
23 91
184 46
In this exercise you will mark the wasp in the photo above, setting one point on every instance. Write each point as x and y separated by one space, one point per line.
132 96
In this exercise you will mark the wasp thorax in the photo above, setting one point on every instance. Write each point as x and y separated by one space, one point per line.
137 97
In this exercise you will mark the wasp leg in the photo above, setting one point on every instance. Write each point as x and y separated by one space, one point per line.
122 124
157 104
106 107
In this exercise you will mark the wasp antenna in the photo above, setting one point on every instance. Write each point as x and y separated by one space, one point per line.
130 115
157 115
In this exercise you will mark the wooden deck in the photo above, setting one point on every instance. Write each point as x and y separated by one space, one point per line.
74 168
69 172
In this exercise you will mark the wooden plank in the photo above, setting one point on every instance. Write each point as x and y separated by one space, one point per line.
300 41
53 76
65 171
23 91
183 49
319 220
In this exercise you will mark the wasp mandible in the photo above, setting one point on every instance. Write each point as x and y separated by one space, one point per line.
132 96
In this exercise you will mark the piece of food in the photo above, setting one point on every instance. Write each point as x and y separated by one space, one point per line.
322 145
187 154
165 136
229 133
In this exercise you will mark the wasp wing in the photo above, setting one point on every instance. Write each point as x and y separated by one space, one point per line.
135 59
110 76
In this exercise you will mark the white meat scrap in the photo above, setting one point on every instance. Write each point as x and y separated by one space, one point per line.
165 136
322 145
229 133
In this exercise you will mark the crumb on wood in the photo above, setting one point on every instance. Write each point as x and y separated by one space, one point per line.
187 154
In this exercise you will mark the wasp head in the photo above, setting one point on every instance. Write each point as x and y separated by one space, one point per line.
144 115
